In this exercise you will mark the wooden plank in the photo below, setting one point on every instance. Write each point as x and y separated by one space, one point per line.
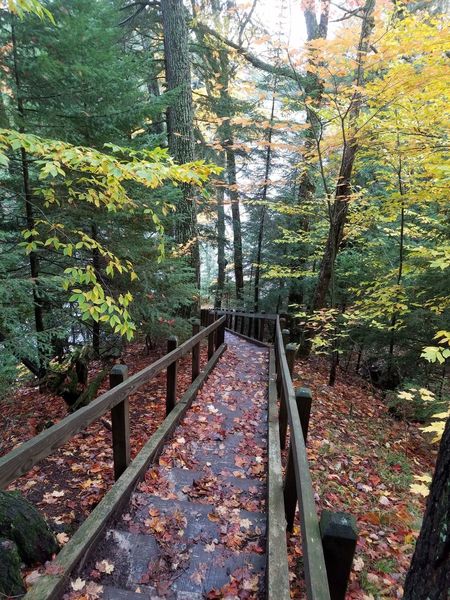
250 339
51 587
277 570
240 313
22 459
313 557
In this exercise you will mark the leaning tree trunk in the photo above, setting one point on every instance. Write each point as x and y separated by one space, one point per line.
180 117
236 218
343 189
429 573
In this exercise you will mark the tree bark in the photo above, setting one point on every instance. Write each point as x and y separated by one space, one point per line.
180 116
429 573
96 265
313 90
221 261
28 196
235 212
339 209
263 207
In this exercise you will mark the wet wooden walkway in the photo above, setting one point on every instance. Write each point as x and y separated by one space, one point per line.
195 526
201 512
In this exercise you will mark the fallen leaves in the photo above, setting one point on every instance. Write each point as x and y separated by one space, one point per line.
62 538
78 584
363 462
104 566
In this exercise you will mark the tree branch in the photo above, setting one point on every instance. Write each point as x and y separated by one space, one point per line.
280 71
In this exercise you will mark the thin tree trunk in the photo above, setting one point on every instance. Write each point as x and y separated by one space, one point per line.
33 256
264 198
235 212
96 265
429 573
400 255
221 262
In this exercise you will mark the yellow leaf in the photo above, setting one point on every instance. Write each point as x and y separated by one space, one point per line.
419 488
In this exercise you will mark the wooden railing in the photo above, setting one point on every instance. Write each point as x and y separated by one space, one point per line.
20 460
328 545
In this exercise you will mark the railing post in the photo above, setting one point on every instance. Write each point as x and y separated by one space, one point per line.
291 353
262 326
303 400
211 336
339 536
120 423
220 335
171 379
195 350
256 322
250 325
242 324
283 417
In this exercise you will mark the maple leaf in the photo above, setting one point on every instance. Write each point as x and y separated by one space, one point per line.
32 577
94 590
198 576
62 538
104 567
358 564
210 547
78 584
419 488
250 584
53 568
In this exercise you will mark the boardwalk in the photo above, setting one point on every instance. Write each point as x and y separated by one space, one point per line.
195 526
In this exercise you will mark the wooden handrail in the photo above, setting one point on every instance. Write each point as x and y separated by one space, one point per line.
23 458
313 557
238 313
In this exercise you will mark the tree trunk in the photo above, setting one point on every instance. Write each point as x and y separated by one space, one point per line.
235 211
263 207
338 218
33 256
221 261
96 265
180 116
339 210
313 90
429 573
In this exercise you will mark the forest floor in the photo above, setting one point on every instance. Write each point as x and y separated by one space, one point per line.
363 462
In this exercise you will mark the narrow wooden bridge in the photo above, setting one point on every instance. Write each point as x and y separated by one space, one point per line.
202 510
